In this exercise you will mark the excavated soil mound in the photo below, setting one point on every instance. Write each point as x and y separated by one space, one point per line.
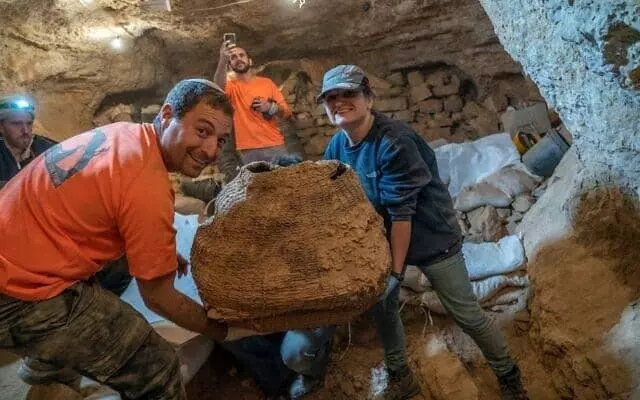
608 223
580 287
290 248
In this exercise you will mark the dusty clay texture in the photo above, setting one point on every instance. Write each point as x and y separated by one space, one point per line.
291 248
581 285
584 57
59 49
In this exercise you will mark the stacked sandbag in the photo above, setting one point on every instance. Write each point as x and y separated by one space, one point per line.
499 189
490 186
291 248
495 271
493 207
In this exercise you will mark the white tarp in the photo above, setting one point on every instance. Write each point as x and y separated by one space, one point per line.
464 164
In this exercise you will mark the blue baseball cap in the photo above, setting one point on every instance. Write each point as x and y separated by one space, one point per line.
344 77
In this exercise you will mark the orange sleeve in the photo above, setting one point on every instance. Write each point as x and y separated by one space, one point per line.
145 220
282 103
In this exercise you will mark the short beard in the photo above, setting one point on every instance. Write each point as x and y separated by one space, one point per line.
241 70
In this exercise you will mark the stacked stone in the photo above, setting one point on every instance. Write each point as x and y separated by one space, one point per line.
435 105
310 121
439 104
126 112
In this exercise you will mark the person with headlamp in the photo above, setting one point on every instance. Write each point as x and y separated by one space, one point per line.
18 144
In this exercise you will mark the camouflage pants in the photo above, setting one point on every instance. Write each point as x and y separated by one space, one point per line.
91 331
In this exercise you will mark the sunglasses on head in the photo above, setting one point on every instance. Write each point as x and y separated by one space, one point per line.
347 94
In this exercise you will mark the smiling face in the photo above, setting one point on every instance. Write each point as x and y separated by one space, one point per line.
17 130
347 108
239 61
189 144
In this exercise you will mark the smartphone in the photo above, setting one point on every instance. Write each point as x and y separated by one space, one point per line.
230 38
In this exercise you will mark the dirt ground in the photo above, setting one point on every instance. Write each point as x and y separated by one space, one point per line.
356 370
456 369
445 360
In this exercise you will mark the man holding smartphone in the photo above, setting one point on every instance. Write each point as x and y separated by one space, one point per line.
257 103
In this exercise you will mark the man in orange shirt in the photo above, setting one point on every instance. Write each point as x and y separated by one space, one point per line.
257 104
91 199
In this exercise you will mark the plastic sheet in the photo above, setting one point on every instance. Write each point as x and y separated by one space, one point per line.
464 164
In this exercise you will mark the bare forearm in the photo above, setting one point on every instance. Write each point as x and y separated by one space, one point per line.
188 314
400 239
281 111
220 77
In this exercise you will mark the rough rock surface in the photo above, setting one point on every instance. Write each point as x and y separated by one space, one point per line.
550 218
587 69
59 49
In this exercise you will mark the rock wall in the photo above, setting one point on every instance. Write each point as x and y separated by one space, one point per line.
49 53
439 102
585 58
59 49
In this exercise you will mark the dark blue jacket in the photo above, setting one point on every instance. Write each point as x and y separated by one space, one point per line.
9 167
398 171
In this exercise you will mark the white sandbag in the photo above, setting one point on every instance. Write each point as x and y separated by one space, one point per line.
498 189
507 296
493 258
414 279
485 291
514 180
480 195
510 300
463 164
483 260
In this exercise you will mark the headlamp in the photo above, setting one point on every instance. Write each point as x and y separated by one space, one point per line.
16 104
22 104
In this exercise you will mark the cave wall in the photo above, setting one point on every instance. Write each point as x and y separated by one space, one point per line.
585 57
50 50
437 101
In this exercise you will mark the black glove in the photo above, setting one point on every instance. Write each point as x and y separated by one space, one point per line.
287 160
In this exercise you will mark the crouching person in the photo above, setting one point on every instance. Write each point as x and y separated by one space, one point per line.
90 199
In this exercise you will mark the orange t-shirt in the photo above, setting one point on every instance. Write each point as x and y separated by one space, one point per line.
251 129
82 203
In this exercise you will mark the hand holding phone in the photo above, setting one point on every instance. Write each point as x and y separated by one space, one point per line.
229 38
257 104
